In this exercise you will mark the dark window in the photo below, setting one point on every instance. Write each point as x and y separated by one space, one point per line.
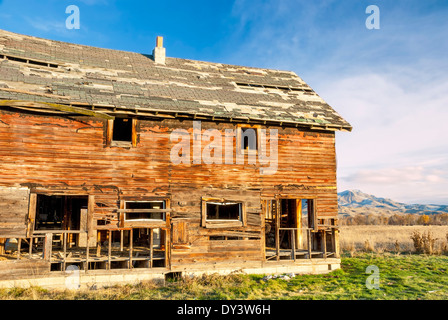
122 129
248 139
59 212
224 211
144 210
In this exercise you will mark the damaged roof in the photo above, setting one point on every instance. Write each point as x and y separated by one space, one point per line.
39 72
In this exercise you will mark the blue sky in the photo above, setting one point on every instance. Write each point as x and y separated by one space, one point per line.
391 84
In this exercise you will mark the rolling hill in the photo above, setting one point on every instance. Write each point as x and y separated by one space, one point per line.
352 202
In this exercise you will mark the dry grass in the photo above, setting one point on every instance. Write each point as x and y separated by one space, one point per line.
385 238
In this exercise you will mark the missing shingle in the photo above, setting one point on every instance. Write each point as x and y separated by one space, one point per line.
266 86
29 61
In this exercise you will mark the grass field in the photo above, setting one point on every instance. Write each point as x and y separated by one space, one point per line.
387 238
403 275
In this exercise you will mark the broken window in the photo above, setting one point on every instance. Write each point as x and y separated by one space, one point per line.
60 212
222 213
145 210
309 213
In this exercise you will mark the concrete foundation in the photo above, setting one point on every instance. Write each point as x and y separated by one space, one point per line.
74 279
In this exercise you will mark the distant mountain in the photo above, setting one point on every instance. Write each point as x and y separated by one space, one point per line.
351 202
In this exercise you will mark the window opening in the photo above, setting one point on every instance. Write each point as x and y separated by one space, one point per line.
224 211
122 130
139 210
249 139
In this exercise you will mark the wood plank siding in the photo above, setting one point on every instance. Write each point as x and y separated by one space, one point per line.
71 156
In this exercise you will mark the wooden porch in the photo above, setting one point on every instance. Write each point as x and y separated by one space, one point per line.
60 248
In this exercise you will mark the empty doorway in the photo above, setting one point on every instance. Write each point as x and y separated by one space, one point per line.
288 222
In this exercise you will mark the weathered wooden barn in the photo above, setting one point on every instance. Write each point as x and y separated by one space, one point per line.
128 166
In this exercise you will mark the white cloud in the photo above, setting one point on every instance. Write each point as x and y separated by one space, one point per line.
47 25
399 142
390 84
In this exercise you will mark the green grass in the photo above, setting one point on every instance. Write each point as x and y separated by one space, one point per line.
402 277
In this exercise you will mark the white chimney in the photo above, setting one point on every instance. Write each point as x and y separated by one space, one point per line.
159 51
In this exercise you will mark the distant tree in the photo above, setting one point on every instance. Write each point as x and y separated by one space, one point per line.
410 219
384 220
397 220
360 219
372 219
423 219
443 218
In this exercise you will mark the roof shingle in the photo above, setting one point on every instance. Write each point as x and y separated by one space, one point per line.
77 74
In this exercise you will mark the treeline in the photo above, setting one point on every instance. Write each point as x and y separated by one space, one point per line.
440 219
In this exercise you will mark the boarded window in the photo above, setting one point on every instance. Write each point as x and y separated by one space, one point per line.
145 210
13 212
180 232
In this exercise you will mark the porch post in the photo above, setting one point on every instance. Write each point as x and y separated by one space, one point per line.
277 229
47 246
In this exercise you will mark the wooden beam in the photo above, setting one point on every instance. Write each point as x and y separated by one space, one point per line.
109 251
64 243
87 256
31 214
335 234
277 228
48 242
309 242
143 210
134 132
2 245
293 244
55 106
90 212
121 215
299 232
19 248
264 209
324 243
131 239
151 244
109 132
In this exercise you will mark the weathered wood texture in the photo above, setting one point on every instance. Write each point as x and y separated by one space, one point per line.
13 269
55 155
13 212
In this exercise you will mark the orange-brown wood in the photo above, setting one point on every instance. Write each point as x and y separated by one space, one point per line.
56 155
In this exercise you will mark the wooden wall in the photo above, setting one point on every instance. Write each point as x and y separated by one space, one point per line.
13 212
69 156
